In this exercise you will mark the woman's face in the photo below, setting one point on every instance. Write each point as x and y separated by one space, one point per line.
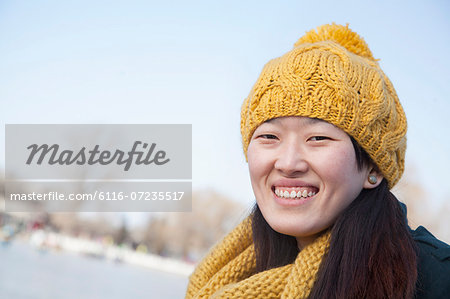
304 174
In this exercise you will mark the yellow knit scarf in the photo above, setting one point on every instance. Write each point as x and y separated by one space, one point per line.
228 270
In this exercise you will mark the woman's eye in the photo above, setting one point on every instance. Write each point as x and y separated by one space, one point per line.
318 138
267 136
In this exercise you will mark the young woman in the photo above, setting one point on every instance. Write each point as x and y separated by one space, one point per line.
324 135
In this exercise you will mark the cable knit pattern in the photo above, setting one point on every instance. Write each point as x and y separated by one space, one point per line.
331 75
228 271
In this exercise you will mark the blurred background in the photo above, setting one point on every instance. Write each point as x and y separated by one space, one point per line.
193 62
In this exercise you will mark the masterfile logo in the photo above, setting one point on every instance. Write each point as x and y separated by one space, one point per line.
95 156
98 167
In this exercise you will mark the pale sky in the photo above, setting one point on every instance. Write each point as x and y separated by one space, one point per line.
195 61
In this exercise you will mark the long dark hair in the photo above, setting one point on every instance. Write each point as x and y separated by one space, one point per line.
371 253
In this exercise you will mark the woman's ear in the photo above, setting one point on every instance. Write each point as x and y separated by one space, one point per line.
373 179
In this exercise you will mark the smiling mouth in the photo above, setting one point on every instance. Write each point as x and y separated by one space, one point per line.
295 192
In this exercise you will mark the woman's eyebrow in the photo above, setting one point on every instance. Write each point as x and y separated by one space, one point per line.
308 120
311 121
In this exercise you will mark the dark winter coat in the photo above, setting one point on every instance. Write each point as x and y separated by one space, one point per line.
433 265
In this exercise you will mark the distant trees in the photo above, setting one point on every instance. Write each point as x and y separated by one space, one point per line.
422 208
190 235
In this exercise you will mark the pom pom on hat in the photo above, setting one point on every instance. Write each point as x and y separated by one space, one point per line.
339 34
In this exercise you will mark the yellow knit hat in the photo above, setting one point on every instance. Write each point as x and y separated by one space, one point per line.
331 75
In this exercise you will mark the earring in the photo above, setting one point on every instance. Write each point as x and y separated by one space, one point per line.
372 179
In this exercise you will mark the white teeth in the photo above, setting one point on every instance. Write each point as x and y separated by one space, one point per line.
294 194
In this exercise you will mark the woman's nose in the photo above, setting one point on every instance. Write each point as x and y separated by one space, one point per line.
291 159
